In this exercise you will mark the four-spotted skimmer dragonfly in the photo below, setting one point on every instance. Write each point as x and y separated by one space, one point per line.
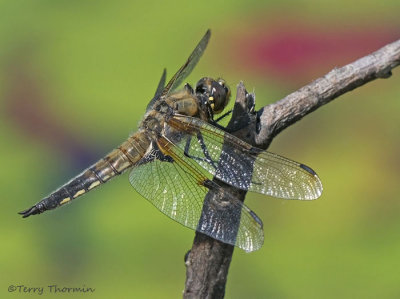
177 151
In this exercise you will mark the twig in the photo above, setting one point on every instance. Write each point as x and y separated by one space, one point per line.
208 261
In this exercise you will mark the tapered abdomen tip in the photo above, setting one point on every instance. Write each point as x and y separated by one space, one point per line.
31 211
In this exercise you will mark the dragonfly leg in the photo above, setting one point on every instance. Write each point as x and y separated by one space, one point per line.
223 116
203 146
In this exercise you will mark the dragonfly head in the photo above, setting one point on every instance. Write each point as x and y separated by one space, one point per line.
216 92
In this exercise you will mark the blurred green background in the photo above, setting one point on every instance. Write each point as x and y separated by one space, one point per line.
75 78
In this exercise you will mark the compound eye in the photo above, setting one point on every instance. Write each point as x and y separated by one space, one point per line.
203 86
226 90
220 96
223 84
201 89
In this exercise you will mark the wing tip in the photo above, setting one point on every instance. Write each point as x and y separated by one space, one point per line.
308 169
318 184
252 245
206 37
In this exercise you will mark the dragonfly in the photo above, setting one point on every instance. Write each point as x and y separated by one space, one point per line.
179 151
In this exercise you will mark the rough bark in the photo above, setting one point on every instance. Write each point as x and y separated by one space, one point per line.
208 261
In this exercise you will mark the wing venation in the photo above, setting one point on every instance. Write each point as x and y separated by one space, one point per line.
243 166
171 182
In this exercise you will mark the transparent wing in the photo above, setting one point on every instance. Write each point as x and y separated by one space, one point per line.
189 65
178 188
241 165
159 90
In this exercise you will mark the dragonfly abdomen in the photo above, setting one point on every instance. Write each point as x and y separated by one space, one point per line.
115 163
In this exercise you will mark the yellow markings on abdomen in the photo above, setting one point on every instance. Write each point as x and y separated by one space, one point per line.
65 200
94 184
80 192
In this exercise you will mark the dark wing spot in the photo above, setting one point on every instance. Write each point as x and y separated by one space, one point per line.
256 218
308 169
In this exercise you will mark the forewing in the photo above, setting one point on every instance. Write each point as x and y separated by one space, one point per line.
177 187
159 90
189 65
241 165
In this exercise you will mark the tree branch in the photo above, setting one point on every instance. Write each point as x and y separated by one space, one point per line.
278 116
208 261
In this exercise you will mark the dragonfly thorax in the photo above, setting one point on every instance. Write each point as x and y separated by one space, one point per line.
216 92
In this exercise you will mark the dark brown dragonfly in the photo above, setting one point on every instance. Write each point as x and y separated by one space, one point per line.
177 151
